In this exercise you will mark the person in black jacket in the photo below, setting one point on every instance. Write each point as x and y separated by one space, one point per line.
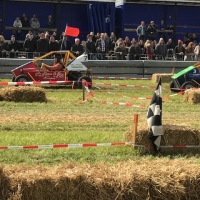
53 44
90 48
30 45
151 31
42 45
77 48
64 43
13 47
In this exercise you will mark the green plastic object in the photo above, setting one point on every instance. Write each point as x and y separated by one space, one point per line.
184 71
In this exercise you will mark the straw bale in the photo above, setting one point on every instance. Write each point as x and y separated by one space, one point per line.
23 94
173 135
142 179
192 96
165 77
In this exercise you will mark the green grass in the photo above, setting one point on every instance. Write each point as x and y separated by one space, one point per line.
63 119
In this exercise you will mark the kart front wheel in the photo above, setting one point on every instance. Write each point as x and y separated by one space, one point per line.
189 85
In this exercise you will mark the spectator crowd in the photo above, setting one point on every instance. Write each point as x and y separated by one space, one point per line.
100 45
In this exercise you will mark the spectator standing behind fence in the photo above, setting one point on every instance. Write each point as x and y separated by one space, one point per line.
102 47
17 24
134 51
90 48
141 31
49 23
170 48
186 39
35 24
64 43
112 41
120 51
53 44
77 48
161 50
13 47
197 52
161 28
42 45
194 39
149 49
30 45
3 47
189 52
151 31
179 51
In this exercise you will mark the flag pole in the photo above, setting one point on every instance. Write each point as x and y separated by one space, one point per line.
135 124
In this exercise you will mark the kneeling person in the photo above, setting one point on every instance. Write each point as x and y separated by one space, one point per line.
58 65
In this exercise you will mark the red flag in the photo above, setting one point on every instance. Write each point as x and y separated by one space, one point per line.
71 31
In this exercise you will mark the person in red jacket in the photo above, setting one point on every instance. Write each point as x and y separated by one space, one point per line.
58 65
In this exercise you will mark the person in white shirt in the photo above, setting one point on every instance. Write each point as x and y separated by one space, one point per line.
17 24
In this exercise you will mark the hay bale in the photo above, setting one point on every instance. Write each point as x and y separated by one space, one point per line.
165 77
142 179
23 94
173 135
192 96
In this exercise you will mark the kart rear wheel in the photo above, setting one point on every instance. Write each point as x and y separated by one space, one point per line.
13 79
188 85
172 87
22 78
87 78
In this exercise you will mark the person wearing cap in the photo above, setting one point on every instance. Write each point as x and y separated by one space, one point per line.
58 65
179 51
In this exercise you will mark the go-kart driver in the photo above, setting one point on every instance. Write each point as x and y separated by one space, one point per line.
58 65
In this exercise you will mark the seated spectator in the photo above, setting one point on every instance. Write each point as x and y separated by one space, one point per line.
161 50
30 45
120 51
90 48
197 52
13 47
189 52
127 42
35 24
49 23
179 51
77 49
3 47
17 24
58 64
53 44
149 49
134 51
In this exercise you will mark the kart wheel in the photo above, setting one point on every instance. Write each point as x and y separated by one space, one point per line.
172 87
22 78
13 79
188 85
87 78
